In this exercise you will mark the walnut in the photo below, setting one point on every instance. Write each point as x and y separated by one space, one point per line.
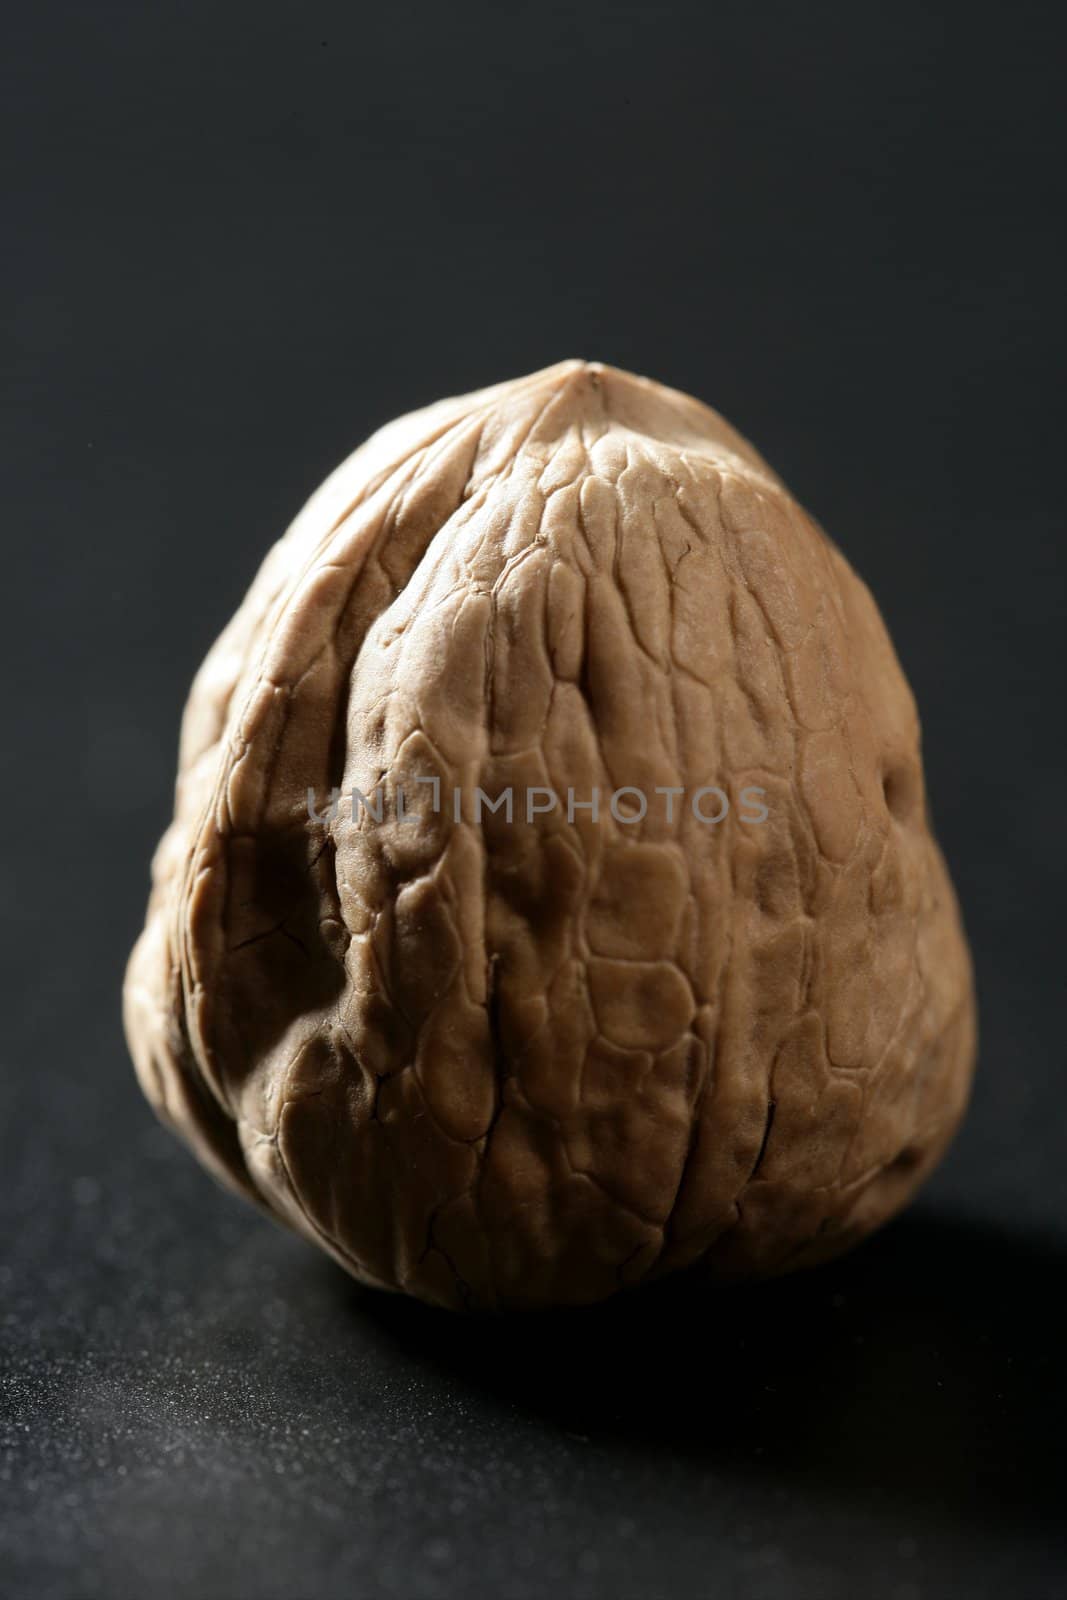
510 1060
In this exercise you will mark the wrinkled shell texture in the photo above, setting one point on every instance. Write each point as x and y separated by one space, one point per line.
504 1064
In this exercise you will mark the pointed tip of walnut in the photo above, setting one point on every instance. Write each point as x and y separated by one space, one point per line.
597 397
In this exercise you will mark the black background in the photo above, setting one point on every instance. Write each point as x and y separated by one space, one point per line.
237 238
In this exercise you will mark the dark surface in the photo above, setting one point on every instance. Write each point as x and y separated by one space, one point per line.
240 237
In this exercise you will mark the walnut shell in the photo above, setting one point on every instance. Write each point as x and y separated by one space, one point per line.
498 1063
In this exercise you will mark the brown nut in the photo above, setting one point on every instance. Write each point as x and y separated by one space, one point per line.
498 1062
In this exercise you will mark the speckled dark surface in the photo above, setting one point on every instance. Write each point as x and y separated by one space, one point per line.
198 1405
243 236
